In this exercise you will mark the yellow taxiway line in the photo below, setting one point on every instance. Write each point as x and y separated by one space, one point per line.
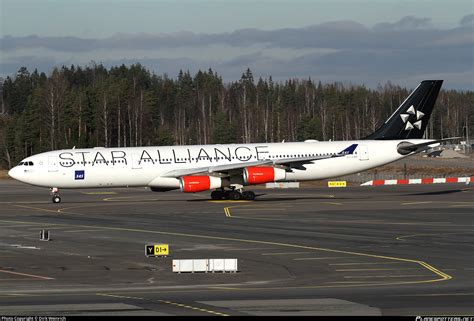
441 276
165 302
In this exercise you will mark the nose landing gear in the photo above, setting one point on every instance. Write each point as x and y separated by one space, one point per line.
55 193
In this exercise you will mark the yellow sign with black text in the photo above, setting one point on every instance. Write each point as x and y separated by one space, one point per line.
157 250
337 184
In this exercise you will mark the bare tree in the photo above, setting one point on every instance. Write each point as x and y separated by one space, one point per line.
54 97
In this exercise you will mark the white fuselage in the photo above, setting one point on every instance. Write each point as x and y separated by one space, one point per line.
146 166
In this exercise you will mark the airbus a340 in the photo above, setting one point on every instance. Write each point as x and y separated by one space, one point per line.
229 169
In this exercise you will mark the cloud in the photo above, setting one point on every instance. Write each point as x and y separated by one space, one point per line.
339 34
406 23
338 50
467 21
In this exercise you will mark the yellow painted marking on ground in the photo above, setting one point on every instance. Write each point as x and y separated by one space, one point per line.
67 209
99 193
252 208
37 208
247 207
134 199
381 222
318 258
401 238
348 282
416 203
261 218
356 270
46 227
251 249
28 275
287 253
441 275
433 294
364 263
12 226
385 276
262 209
274 217
331 203
42 202
462 205
393 223
163 301
302 197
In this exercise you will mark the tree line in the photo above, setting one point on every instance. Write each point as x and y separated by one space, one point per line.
127 106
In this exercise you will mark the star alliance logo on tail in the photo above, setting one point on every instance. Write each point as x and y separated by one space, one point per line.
412 113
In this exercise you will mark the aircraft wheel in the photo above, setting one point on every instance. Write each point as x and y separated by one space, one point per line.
217 195
234 196
249 195
56 199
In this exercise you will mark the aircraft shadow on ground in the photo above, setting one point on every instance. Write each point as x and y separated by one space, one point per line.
275 199
436 192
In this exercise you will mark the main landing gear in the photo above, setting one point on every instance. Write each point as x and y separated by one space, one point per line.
55 193
233 194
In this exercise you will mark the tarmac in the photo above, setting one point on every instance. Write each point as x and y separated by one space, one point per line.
387 250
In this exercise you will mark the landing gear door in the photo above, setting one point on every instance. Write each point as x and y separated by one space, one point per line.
363 152
52 164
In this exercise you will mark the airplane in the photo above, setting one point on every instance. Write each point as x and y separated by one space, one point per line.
228 169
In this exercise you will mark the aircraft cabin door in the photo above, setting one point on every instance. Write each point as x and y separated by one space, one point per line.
136 161
52 164
363 152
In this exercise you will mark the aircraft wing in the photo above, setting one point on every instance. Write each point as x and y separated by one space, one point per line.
296 163
214 169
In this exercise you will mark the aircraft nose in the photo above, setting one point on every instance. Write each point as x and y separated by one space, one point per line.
13 173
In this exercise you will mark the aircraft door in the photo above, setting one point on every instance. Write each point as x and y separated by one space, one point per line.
136 161
52 164
363 152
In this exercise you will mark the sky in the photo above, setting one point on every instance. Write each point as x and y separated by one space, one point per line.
365 42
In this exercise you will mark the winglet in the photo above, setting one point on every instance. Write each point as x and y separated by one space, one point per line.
348 151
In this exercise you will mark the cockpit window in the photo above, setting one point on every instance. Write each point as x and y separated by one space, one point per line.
30 163
21 163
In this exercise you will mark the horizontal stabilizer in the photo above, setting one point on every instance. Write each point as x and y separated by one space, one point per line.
405 148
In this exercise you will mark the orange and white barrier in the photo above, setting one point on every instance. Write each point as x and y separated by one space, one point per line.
430 180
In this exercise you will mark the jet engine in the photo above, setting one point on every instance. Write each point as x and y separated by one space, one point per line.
263 174
193 184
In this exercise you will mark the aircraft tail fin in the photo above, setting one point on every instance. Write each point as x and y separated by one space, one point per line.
412 116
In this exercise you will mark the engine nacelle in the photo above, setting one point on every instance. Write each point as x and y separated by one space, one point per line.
263 174
193 184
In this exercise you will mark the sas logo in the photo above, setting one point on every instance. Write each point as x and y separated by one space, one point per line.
79 175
